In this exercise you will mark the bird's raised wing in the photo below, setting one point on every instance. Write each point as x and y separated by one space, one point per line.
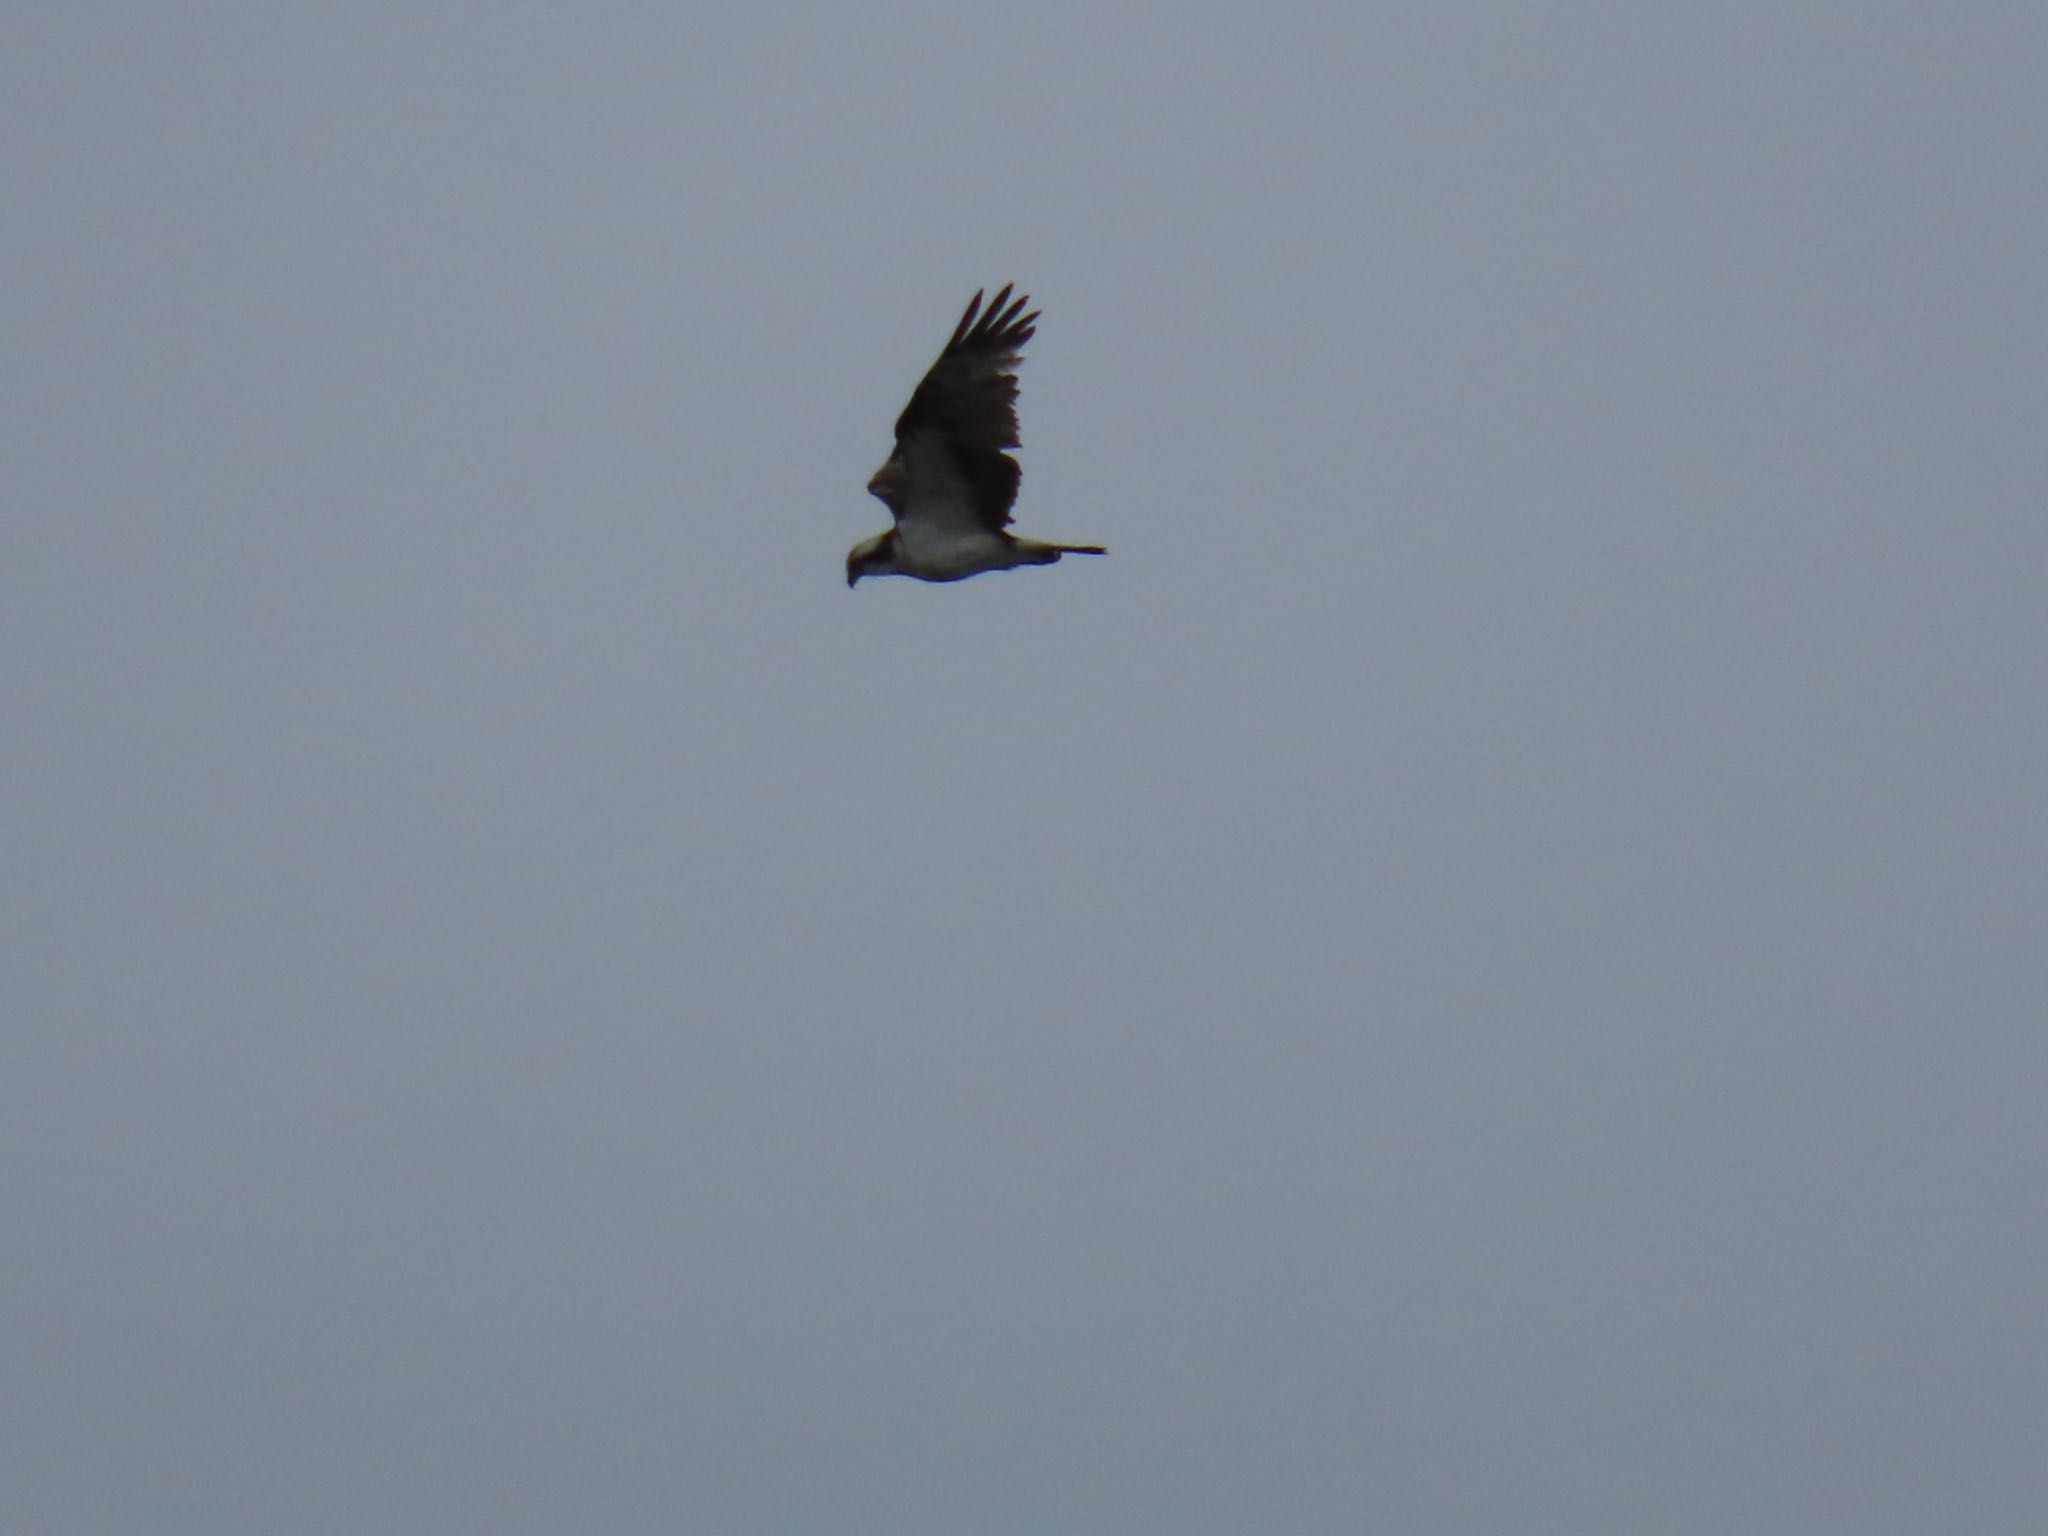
949 458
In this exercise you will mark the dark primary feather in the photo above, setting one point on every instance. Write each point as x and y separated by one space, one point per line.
968 398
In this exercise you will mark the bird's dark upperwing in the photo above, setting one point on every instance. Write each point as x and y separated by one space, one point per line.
964 414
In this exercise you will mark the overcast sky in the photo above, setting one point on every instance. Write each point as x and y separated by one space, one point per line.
1484 972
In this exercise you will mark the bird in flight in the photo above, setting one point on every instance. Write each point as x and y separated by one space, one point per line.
948 483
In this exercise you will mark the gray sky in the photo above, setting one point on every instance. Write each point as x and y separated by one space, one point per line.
1484 972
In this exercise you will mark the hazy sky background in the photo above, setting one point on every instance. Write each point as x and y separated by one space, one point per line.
1484 972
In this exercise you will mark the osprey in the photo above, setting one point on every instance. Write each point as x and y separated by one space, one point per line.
948 483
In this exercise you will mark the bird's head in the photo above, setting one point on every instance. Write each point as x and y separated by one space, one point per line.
870 557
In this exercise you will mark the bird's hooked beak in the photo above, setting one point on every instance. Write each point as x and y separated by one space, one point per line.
869 556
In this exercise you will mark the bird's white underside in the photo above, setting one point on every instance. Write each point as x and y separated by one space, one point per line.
940 535
941 549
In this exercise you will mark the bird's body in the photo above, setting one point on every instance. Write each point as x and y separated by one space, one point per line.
949 483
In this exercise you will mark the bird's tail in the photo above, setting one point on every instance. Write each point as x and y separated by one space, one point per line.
1032 552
